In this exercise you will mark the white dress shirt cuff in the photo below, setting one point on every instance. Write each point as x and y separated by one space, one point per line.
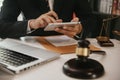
29 30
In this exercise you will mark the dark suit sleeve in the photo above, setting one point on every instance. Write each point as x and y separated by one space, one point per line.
84 12
9 26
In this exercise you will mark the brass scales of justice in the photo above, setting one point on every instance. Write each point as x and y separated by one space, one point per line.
104 40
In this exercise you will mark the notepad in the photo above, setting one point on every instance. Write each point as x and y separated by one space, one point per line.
61 40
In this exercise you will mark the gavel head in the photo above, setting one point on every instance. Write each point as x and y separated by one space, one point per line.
82 49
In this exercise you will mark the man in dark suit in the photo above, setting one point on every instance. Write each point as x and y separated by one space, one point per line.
32 9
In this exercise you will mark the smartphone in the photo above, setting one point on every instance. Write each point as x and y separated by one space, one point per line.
52 26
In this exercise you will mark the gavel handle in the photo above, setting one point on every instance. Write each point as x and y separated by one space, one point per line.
99 52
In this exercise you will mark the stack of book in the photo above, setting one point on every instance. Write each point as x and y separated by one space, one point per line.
106 6
116 7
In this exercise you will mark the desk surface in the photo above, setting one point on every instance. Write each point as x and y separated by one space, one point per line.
53 69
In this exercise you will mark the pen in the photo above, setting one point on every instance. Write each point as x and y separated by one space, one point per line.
51 2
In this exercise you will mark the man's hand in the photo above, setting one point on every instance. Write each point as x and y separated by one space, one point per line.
43 20
70 31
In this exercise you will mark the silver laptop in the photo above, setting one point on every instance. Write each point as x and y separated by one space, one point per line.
16 57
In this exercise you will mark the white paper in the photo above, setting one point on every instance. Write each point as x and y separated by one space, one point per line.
61 40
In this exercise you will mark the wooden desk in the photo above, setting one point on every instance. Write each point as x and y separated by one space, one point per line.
53 70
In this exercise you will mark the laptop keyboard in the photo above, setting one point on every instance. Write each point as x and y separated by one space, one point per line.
14 58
